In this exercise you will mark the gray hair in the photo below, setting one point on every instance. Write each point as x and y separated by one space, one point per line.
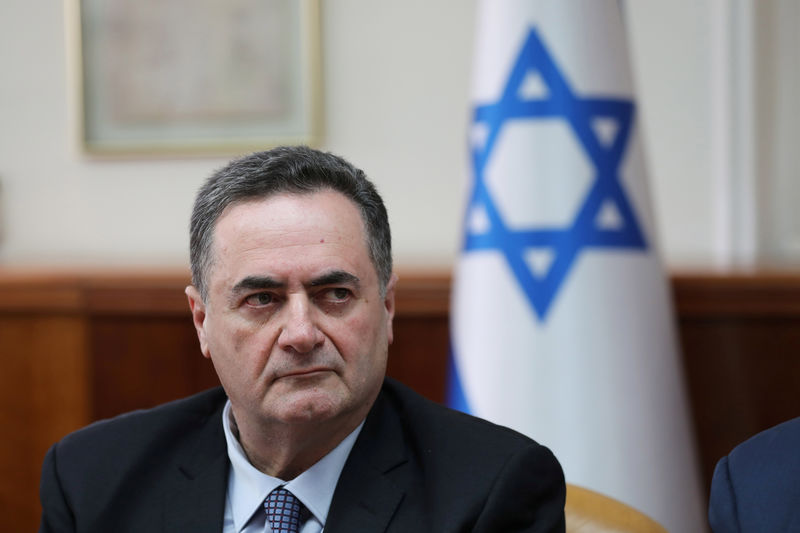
286 169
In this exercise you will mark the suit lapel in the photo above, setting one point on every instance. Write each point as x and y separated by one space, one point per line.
368 494
366 497
196 500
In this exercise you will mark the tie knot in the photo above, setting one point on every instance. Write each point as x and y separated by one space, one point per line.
283 511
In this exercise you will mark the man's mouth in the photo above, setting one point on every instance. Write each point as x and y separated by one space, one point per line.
305 372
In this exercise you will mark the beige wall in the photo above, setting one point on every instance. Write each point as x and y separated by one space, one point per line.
396 87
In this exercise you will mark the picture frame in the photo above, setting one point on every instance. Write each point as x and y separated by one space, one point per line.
197 76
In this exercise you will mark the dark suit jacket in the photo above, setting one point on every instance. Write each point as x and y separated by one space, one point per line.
416 466
757 486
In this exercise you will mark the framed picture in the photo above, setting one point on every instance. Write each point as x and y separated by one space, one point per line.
206 76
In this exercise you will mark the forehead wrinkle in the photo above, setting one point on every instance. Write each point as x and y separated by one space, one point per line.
272 239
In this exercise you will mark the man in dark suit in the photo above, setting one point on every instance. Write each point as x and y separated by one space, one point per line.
292 297
756 488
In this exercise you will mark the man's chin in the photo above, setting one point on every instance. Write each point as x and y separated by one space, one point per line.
310 406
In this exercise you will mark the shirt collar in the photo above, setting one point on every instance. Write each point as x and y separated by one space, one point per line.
248 487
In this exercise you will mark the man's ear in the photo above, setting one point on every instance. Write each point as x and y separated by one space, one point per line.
388 303
198 308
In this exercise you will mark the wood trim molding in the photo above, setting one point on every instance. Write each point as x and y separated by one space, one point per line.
753 294
418 293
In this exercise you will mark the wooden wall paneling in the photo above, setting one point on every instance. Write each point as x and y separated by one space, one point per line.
142 361
142 344
418 355
77 347
743 377
740 336
43 395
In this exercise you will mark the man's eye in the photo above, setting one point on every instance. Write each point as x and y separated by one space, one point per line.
337 295
259 299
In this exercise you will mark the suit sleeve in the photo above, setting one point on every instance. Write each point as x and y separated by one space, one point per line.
722 512
56 514
527 496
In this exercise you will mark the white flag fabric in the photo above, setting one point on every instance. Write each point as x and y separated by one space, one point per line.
562 326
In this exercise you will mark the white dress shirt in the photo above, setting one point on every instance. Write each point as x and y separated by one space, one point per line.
249 487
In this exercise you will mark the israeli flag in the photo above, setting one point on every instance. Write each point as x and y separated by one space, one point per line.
562 326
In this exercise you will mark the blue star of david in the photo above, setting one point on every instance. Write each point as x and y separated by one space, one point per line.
565 244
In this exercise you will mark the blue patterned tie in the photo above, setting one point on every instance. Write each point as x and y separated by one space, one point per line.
283 511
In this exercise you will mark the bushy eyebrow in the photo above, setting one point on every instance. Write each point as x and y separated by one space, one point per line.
251 283
257 282
335 277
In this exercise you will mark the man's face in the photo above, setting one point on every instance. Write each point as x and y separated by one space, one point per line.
294 322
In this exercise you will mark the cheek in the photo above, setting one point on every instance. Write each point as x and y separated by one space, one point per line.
239 342
358 330
362 341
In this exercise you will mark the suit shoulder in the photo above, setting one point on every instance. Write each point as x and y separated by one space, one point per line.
108 465
772 446
171 418
480 475
448 426
759 474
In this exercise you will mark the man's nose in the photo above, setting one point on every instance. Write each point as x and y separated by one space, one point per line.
299 330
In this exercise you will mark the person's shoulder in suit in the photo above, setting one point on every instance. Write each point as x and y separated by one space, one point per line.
441 426
135 431
513 479
756 487
113 460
